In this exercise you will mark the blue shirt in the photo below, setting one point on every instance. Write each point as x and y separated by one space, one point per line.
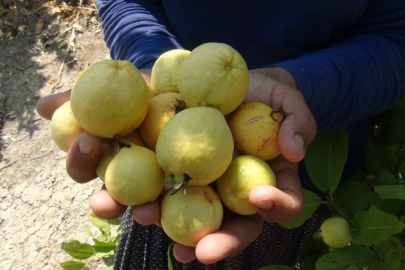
347 57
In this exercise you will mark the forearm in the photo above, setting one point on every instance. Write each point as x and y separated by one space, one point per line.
352 81
138 31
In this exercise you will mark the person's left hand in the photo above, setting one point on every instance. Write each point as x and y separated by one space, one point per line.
282 204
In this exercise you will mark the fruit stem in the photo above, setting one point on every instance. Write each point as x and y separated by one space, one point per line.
122 142
278 111
177 182
180 107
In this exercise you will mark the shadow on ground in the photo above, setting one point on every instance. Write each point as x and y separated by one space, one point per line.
31 32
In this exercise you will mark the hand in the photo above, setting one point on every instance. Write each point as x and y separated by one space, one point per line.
83 155
274 87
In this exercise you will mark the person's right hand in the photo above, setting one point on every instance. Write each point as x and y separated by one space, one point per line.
82 158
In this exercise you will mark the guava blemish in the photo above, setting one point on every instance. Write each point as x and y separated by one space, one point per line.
233 192
119 67
253 120
207 197
265 143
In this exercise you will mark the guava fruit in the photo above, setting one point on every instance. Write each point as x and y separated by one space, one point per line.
335 232
242 176
214 75
161 109
110 150
255 127
133 177
188 218
110 98
165 71
64 127
195 147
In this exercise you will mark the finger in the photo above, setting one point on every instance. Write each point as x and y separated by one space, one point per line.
298 128
297 131
282 204
146 74
46 106
104 206
234 236
184 254
147 214
82 157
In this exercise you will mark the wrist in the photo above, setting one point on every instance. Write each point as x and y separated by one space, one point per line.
280 74
146 74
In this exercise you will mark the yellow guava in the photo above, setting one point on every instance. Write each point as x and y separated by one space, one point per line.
164 76
64 127
162 108
110 150
134 177
188 218
214 75
195 147
255 127
243 174
151 93
335 232
110 98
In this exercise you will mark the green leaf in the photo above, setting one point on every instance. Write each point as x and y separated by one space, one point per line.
89 232
325 158
311 203
374 225
352 267
72 265
358 176
383 177
377 266
169 260
101 223
276 267
391 191
340 259
78 250
115 222
309 262
111 267
389 206
353 196
389 116
392 250
400 167
105 247
393 133
377 156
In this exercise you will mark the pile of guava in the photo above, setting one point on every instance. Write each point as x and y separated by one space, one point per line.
188 136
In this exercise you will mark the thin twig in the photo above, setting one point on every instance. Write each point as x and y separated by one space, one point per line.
37 157
8 165
67 50
344 215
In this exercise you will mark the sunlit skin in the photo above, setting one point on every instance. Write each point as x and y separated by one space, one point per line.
273 86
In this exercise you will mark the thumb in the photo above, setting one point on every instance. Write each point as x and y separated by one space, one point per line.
297 131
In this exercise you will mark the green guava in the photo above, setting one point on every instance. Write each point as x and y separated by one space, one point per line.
194 147
188 218
133 176
335 232
243 174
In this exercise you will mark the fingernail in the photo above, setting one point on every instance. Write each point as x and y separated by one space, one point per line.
85 147
265 205
299 142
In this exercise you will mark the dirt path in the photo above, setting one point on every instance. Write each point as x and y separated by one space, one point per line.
40 207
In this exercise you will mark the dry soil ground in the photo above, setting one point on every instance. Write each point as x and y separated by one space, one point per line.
40 206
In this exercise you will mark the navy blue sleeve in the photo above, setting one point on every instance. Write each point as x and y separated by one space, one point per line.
360 75
137 31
